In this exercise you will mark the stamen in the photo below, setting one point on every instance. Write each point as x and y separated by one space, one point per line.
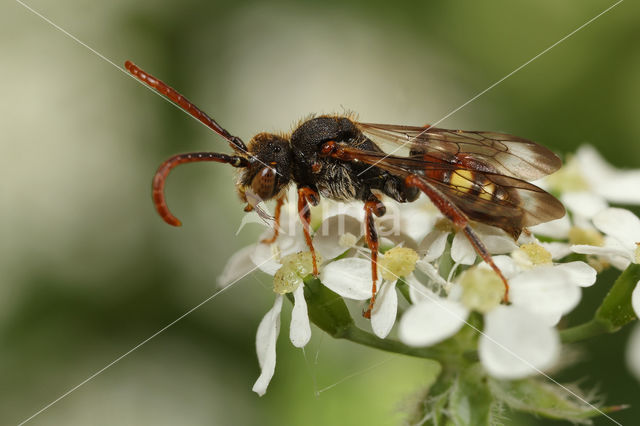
398 262
482 289
294 268
532 254
587 236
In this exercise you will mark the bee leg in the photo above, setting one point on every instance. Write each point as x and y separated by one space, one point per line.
372 206
276 228
460 221
308 196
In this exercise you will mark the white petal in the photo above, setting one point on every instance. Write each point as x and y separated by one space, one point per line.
431 321
462 251
300 329
633 352
618 186
586 204
606 250
578 273
558 228
417 219
417 291
266 338
384 311
326 239
333 208
516 343
495 239
266 256
635 300
499 244
238 265
433 245
621 188
544 291
506 264
558 250
350 278
620 224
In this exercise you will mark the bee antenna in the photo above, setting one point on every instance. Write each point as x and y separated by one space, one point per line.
193 157
234 141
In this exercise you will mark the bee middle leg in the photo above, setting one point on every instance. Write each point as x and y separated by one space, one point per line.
306 196
372 206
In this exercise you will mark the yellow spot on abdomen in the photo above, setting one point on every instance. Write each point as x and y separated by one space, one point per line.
462 180
487 191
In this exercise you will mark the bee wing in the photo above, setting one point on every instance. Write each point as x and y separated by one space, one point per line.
488 152
503 201
520 204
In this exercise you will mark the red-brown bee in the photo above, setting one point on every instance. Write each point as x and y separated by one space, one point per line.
468 175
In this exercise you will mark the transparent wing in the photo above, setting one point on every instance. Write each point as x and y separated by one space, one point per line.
488 152
503 201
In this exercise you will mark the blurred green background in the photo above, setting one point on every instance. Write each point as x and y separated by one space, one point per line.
87 268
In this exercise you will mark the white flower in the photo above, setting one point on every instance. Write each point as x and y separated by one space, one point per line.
286 260
462 252
587 183
288 279
588 180
614 185
622 237
633 348
518 339
351 278
621 248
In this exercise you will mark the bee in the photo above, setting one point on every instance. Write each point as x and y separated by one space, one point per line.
468 175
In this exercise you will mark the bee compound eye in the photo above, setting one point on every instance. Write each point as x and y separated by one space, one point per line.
263 183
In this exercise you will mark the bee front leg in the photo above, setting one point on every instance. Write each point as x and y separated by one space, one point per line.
276 229
308 196
372 206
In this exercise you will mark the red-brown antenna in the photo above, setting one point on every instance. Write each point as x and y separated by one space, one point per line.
235 142
192 157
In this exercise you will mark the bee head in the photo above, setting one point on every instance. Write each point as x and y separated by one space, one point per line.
269 171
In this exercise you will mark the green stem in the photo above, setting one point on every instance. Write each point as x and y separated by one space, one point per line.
614 312
584 331
357 335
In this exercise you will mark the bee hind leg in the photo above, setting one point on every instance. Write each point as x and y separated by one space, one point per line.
460 221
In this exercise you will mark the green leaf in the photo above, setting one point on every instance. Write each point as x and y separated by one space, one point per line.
616 309
432 407
614 312
326 309
546 399
470 400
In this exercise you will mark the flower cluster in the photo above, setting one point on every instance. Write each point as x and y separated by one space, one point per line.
432 284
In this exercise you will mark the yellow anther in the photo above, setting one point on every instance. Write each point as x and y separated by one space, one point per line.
294 268
347 240
587 236
482 289
398 262
568 178
530 255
